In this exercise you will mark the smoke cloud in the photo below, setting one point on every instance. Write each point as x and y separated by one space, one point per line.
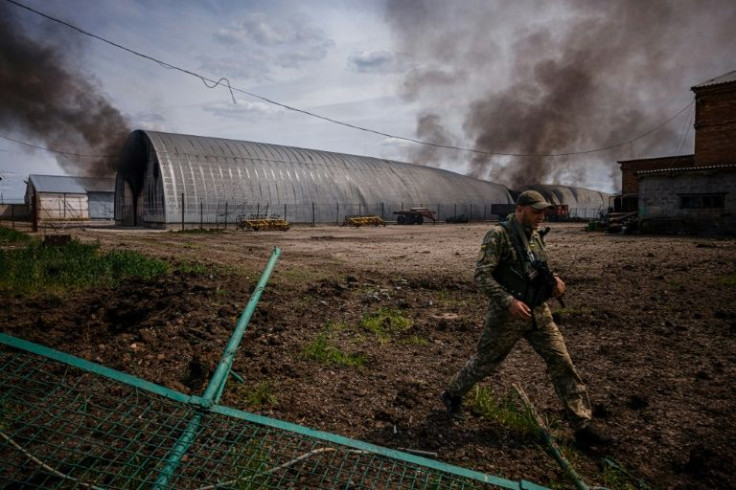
47 98
543 78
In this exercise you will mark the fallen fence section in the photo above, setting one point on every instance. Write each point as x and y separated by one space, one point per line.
70 423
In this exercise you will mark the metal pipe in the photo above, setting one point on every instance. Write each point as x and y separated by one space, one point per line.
217 383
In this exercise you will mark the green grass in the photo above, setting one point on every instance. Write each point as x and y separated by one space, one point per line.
321 350
10 236
415 340
505 411
252 462
616 477
260 396
729 280
385 323
36 268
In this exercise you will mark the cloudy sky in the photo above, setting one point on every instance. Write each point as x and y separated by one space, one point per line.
515 81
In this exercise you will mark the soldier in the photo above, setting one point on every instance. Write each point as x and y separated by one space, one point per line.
508 255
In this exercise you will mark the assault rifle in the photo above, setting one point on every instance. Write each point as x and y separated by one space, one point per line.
542 284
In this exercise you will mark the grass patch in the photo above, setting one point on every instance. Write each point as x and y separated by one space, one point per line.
302 274
729 280
252 463
257 397
385 323
616 476
36 268
321 350
10 236
415 340
505 411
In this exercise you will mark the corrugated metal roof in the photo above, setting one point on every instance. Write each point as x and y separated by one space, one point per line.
574 197
686 169
216 170
71 185
725 78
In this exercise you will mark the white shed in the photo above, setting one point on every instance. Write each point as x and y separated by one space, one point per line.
65 198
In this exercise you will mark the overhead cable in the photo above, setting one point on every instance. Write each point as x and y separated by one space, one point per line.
65 153
226 83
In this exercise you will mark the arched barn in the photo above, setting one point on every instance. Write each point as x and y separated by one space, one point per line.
167 178
580 202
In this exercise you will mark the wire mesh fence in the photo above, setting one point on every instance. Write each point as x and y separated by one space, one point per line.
189 213
85 426
69 423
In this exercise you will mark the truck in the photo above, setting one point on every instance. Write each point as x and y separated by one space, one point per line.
414 216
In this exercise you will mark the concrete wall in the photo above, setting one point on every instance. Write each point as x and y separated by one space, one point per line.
661 196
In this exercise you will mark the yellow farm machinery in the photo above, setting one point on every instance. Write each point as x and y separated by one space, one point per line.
363 221
256 224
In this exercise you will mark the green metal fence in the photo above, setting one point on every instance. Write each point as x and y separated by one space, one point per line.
69 423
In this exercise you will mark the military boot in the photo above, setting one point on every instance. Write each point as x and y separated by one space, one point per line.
453 403
592 436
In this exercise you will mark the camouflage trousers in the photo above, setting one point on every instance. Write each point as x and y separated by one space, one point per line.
501 332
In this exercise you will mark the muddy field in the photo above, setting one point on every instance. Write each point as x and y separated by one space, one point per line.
649 321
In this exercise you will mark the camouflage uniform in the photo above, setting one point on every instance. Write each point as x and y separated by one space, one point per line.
500 272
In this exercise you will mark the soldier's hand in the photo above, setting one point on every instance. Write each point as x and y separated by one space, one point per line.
519 309
559 288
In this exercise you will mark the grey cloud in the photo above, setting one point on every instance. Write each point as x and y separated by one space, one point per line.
286 42
243 109
246 64
376 62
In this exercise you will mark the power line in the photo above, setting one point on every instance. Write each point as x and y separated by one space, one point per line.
65 153
209 83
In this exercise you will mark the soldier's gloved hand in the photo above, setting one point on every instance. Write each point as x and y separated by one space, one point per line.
519 309
559 290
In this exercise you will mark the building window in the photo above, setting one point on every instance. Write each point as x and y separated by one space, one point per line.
701 201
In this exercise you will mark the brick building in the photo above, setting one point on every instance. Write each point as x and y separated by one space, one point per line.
693 193
715 121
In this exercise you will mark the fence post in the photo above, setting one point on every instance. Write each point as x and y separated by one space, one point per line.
182 211
258 210
470 212
313 214
383 214
337 213
201 215
438 213
285 211
484 211
226 215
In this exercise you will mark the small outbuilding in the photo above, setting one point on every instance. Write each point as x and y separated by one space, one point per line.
693 193
67 198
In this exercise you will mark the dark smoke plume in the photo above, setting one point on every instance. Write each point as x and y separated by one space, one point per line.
47 98
531 77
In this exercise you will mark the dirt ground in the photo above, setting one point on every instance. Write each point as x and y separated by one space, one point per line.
649 321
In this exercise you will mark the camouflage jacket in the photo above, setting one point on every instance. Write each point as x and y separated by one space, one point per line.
500 272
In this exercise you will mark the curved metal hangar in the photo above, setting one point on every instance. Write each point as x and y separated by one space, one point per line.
166 178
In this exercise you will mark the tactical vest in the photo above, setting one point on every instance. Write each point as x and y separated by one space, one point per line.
513 274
